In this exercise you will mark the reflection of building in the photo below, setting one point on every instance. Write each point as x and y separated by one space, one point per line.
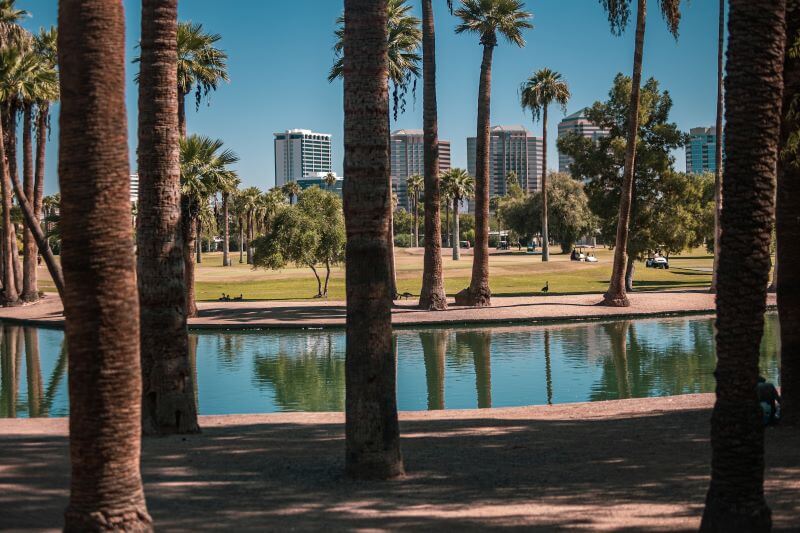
577 123
408 159
134 188
701 150
318 179
300 153
512 149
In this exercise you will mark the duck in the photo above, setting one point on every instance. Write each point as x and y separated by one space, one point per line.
546 287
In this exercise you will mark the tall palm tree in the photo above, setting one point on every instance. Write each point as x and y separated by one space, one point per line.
292 190
204 163
718 140
250 204
168 400
432 296
459 186
618 13
101 304
543 88
227 188
415 185
372 432
487 19
753 87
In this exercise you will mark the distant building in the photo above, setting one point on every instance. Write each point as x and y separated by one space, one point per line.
577 123
134 188
408 158
300 153
701 151
318 179
512 149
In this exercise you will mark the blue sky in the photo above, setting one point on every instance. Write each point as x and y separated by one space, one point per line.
280 53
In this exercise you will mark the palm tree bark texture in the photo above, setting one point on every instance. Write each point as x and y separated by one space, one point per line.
432 297
788 229
168 399
10 293
753 93
371 429
30 286
718 141
101 304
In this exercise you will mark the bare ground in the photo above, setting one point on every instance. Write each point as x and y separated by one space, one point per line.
628 465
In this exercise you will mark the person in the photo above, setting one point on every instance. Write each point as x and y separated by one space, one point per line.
769 399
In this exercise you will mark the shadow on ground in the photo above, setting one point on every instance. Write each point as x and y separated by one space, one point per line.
639 473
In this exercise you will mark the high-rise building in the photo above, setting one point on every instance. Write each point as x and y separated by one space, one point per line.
134 188
577 123
408 158
318 179
701 152
300 153
512 149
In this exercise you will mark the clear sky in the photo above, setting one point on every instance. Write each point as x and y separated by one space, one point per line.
280 53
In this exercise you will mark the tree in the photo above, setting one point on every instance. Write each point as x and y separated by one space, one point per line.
567 203
458 185
753 87
600 164
228 187
292 190
250 205
310 234
330 180
101 305
718 141
415 185
432 296
372 433
618 13
168 400
486 18
543 88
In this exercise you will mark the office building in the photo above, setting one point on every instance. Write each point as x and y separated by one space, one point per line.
408 159
134 188
512 149
300 153
577 123
318 179
701 151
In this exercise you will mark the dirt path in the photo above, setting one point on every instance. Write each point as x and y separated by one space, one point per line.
637 465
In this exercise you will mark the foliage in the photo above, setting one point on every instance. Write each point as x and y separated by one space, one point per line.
543 88
488 17
403 222
310 233
619 12
200 63
403 240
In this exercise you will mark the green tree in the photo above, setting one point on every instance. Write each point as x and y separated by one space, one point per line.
487 19
330 180
543 88
415 185
310 234
458 185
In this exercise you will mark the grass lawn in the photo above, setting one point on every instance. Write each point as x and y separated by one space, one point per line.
512 274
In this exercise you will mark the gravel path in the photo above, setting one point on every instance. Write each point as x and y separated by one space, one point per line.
632 465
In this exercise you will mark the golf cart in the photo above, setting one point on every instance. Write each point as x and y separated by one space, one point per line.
657 261
577 254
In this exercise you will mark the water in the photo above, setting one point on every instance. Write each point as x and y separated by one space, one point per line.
453 368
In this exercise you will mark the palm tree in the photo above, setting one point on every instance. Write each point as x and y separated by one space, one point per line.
415 185
101 305
718 140
250 199
201 66
330 180
292 190
204 164
618 13
168 400
753 87
543 88
459 186
227 188
372 432
487 19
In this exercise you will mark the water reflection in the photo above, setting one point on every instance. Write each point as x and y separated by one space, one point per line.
246 372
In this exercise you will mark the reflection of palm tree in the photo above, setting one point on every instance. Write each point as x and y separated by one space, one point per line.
34 372
55 380
8 392
434 348
479 343
548 371
617 334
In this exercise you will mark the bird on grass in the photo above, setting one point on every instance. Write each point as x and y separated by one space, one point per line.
546 287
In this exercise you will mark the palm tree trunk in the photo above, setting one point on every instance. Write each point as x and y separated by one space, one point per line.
101 304
787 280
432 296
10 293
415 230
249 239
545 226
448 229
199 240
11 110
15 262
371 429
42 123
182 112
616 295
718 145
168 401
226 238
753 87
189 229
456 231
630 269
241 242
478 293
30 287
33 366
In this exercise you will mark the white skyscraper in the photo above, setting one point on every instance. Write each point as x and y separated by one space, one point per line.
134 188
300 153
408 158
577 123
512 149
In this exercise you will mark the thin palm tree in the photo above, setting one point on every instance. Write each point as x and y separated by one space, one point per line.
415 185
753 87
250 199
488 19
101 306
228 186
619 12
459 186
372 433
537 93
168 399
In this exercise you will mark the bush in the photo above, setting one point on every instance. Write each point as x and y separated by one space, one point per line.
468 236
403 240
